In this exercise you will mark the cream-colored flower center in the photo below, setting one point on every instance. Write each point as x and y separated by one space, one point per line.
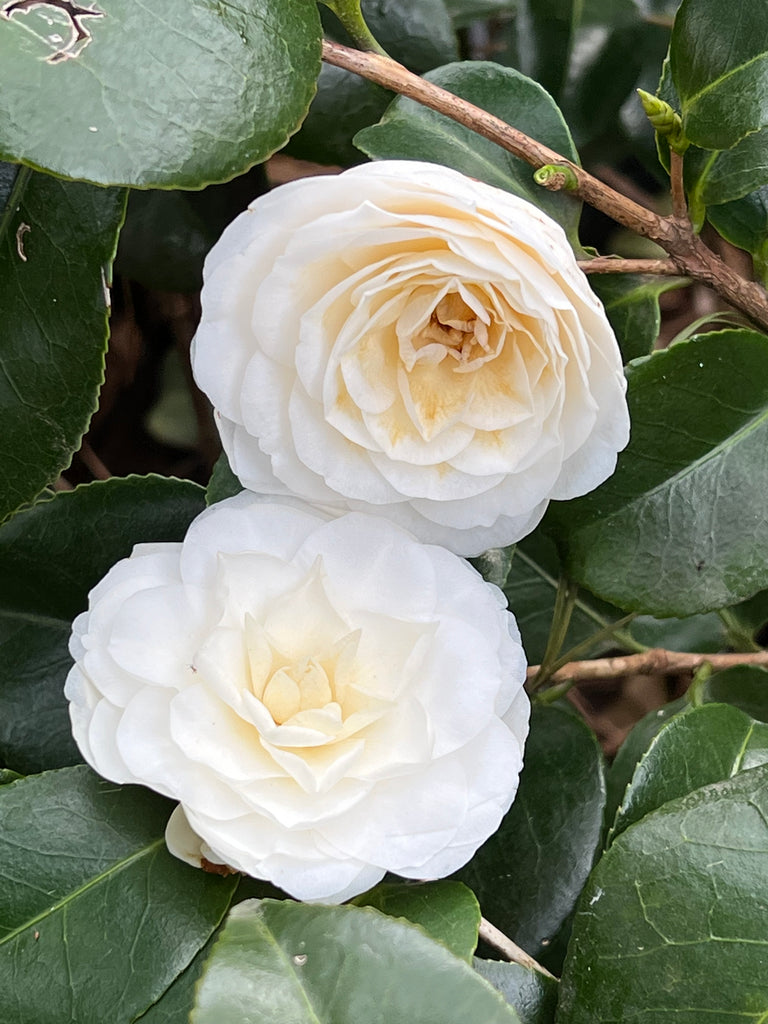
302 686
456 326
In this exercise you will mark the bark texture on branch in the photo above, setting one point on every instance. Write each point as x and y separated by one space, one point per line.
653 662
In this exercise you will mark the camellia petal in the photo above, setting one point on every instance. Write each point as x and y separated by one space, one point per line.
327 698
409 340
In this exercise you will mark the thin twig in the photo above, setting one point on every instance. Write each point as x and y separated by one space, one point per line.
615 265
565 600
510 950
679 205
93 463
674 234
655 661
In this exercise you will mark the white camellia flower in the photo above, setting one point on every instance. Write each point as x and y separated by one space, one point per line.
327 698
403 339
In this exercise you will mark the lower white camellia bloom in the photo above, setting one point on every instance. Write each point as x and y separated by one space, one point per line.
328 699
403 339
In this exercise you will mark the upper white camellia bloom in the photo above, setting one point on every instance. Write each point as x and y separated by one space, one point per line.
403 339
328 699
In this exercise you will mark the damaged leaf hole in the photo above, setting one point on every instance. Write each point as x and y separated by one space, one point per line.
72 23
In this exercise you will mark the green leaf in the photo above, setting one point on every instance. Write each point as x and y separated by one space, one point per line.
300 964
176 1003
714 177
671 925
530 588
166 94
680 527
752 615
701 633
345 103
532 994
412 132
719 64
528 875
447 911
167 234
632 304
8 174
51 555
744 223
708 744
223 483
416 33
743 686
6 776
96 917
56 252
494 564
632 749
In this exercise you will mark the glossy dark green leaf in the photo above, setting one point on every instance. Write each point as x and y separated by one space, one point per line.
345 103
680 527
223 483
744 686
167 93
671 925
530 588
708 744
632 304
299 964
752 614
719 64
175 1004
417 33
702 633
632 749
532 994
167 234
412 132
744 223
96 917
714 177
528 875
8 173
51 555
56 251
447 911
6 776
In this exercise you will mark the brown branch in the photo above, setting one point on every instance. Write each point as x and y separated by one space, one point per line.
674 234
616 265
679 205
92 462
652 662
510 950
